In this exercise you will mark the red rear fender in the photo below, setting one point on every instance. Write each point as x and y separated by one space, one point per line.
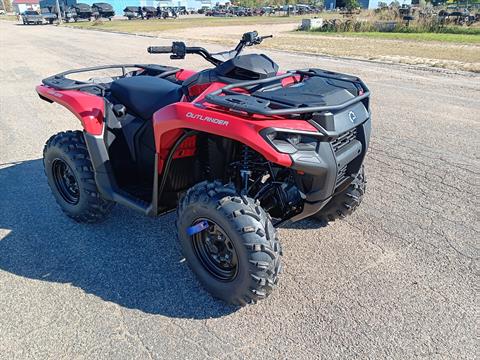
88 108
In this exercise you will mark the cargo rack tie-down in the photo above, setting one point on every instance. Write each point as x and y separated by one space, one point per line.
246 101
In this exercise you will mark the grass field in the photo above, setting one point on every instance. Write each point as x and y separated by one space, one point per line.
454 38
8 17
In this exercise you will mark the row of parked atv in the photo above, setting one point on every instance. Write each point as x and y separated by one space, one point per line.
76 12
149 12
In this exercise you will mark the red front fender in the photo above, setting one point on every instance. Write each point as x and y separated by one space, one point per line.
188 116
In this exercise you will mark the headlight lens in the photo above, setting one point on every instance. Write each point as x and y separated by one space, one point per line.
290 143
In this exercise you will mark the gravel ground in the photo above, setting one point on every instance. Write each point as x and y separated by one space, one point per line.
398 279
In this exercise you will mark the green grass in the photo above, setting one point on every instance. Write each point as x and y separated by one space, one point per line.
8 17
441 37
135 26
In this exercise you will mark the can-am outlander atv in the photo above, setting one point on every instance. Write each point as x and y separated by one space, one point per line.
236 149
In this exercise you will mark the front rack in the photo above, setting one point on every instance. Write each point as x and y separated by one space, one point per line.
62 82
241 96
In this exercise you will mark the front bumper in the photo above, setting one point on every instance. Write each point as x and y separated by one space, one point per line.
337 158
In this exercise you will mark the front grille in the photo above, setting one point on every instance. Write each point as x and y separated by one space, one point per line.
341 176
343 140
340 143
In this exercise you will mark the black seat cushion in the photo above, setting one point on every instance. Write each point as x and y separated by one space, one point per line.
144 95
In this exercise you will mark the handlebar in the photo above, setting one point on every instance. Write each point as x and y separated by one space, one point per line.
159 49
179 50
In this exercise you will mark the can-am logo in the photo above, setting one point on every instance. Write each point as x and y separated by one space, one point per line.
207 119
352 116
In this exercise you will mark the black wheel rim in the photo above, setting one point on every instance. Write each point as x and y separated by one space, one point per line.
216 251
65 181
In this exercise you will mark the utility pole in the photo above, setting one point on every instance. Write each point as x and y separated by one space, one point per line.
59 14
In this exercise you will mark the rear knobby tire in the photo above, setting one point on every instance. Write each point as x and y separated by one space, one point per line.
346 202
250 230
86 204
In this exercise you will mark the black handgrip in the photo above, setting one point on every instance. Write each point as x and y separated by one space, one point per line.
159 49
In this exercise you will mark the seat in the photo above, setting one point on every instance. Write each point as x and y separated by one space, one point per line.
143 95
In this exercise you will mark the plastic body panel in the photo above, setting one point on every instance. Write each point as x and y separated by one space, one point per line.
187 116
88 108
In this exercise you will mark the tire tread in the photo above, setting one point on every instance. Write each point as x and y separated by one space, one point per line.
259 236
72 144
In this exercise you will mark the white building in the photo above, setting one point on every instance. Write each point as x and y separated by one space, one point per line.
20 6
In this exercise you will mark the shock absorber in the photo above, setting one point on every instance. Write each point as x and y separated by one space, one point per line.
204 156
245 170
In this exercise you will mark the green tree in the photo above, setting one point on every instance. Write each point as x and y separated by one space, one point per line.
352 4
6 5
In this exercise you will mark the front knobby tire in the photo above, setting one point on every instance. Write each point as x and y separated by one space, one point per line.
71 178
248 229
345 203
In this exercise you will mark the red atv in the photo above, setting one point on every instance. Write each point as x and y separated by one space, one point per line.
236 149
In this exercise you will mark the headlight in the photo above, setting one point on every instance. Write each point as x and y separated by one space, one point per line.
290 142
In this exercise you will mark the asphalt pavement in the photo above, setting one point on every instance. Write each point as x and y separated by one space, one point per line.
398 279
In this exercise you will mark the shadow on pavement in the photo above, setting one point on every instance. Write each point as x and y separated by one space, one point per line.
129 259
306 224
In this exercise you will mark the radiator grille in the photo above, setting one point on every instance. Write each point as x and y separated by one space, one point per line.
343 140
338 145
341 176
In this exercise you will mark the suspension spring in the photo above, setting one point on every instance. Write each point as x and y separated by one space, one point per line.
204 157
246 168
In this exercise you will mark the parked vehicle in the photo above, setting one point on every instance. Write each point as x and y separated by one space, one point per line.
149 12
180 10
102 10
240 11
267 10
165 13
69 14
83 12
237 150
32 17
133 12
48 15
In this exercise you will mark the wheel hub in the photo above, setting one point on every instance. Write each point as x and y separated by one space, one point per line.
216 251
65 181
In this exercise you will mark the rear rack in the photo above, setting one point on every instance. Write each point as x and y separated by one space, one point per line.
61 82
233 98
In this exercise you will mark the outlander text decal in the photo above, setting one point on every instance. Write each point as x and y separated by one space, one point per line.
207 119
